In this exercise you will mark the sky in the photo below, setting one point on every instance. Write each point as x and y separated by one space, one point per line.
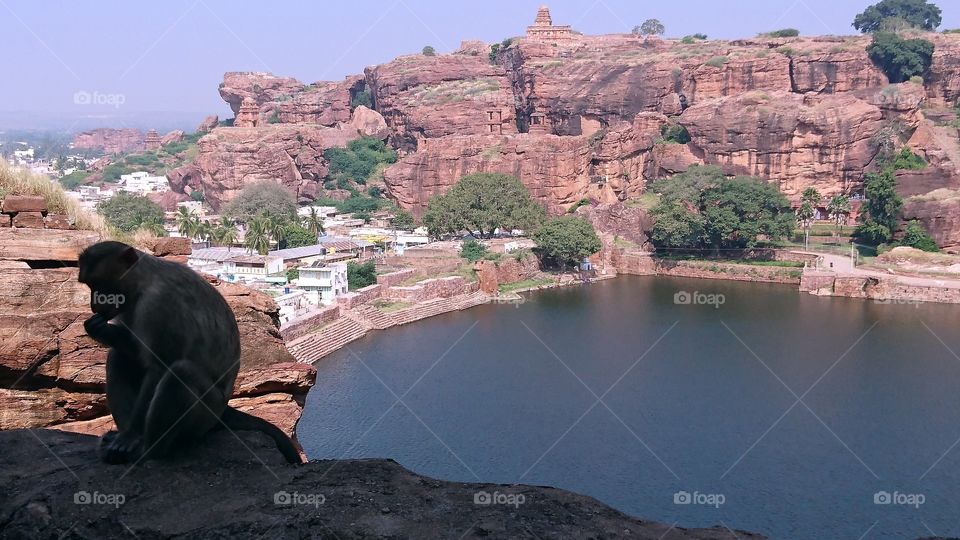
85 57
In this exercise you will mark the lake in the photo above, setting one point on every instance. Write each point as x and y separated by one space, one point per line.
698 402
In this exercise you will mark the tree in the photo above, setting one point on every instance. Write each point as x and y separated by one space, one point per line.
403 220
882 208
472 250
128 212
907 160
429 51
204 231
262 198
313 222
359 160
566 240
361 275
812 196
915 236
805 214
483 203
297 236
838 209
701 208
225 234
257 237
277 229
783 32
187 222
917 13
650 27
900 59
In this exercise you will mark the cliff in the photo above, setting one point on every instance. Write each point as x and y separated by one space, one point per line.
55 487
581 116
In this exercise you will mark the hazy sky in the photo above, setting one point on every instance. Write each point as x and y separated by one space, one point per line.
170 55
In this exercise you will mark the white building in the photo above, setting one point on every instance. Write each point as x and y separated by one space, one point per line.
142 182
322 282
252 267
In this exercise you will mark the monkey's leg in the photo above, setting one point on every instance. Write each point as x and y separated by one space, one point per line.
187 405
125 380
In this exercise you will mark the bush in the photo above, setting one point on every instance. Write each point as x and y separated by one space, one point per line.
675 133
578 204
429 51
908 161
900 59
911 13
361 275
472 250
355 205
403 220
782 33
298 236
274 117
716 61
494 49
915 236
128 212
358 161
74 179
361 98
262 197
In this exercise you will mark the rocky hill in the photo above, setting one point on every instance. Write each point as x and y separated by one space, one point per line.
577 116
229 488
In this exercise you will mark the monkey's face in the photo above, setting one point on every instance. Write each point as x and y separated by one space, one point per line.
106 268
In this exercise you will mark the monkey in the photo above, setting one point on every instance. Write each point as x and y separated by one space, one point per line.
174 354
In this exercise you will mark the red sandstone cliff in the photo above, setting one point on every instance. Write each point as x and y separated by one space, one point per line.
109 140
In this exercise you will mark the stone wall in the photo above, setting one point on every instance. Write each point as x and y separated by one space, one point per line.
729 271
359 296
27 212
891 290
301 326
431 288
396 278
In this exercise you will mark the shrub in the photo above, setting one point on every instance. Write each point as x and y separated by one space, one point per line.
374 191
196 196
274 117
429 51
699 35
716 61
675 133
494 49
783 32
907 160
361 98
472 250
354 205
74 179
578 204
358 160
900 59
915 236
299 236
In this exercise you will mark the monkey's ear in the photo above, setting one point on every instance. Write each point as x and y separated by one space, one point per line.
129 256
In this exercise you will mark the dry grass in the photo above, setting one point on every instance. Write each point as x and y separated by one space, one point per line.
942 194
23 182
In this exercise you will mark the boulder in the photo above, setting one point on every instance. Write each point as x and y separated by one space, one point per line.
55 486
109 140
28 220
208 124
172 137
58 221
369 123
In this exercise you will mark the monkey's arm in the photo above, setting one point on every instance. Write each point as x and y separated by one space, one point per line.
111 335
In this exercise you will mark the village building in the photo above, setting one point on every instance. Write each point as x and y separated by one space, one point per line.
323 282
142 182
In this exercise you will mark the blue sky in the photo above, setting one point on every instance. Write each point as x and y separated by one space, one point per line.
170 55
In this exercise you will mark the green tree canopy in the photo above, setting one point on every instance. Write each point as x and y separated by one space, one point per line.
900 58
917 13
472 250
299 236
358 161
128 212
429 51
361 275
650 27
882 207
264 197
701 208
566 240
915 236
403 220
483 203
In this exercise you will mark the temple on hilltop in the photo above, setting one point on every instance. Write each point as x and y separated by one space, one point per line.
151 141
544 30
248 115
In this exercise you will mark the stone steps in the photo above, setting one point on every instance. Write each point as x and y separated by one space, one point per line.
373 317
431 308
331 337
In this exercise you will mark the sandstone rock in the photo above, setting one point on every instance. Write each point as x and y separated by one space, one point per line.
941 218
23 203
242 473
5 220
28 409
172 137
281 410
617 220
473 47
208 124
185 179
171 245
322 103
28 220
835 72
291 155
289 377
58 221
111 141
258 86
44 245
369 123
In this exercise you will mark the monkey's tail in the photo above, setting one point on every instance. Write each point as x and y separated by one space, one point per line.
240 420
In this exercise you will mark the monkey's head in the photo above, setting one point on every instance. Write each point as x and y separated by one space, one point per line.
107 268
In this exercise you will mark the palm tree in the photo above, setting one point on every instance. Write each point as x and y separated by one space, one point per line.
258 235
313 222
225 233
839 208
187 223
204 231
277 229
805 218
